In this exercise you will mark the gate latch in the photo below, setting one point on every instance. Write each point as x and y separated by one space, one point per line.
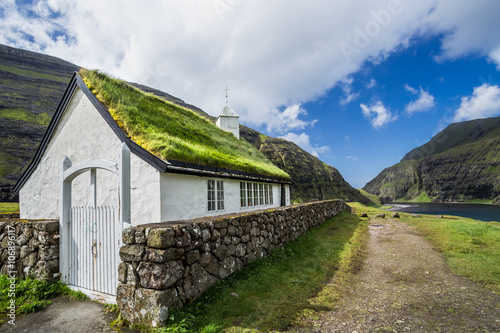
94 249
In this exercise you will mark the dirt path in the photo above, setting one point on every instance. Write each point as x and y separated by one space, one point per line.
406 286
65 315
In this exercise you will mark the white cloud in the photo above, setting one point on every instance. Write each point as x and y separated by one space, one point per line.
193 48
411 90
302 140
484 102
346 85
353 158
468 28
289 119
495 57
371 84
377 114
424 102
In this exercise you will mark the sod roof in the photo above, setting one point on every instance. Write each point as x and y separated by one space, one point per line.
172 132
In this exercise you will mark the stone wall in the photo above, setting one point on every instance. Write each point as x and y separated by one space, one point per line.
29 248
168 265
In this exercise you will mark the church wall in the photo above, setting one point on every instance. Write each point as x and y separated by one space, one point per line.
185 197
82 135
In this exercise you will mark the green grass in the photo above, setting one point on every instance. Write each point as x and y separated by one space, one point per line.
26 115
375 199
9 207
31 295
422 197
471 248
32 74
275 291
173 132
481 201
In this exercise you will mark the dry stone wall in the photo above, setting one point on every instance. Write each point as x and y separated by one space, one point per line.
29 248
168 265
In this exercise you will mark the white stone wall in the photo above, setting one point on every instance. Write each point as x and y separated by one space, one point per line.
83 135
185 197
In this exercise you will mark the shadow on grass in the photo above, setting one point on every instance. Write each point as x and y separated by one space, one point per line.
274 290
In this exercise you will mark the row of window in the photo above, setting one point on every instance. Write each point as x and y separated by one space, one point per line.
255 194
251 194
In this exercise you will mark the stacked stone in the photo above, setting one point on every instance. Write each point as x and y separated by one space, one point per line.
30 249
169 266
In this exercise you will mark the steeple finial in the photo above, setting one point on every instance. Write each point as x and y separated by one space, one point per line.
226 90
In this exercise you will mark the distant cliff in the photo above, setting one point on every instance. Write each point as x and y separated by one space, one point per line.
459 164
314 180
31 85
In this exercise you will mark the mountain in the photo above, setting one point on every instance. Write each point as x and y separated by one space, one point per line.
31 85
459 164
314 179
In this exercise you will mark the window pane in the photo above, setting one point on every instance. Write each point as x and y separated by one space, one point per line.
211 194
266 194
220 195
261 194
255 194
243 194
271 194
249 195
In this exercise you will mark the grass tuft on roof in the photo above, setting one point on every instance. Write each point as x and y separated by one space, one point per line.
176 133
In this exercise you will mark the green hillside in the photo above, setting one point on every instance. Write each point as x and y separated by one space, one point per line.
31 86
459 164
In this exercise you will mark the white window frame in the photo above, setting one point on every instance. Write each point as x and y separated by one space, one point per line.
255 194
215 195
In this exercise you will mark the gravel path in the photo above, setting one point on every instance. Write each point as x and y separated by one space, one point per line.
405 285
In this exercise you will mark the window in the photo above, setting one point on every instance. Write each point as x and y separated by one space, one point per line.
271 194
261 194
249 195
255 194
211 194
220 195
266 194
243 194
215 191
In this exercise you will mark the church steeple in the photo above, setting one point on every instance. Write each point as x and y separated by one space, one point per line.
228 119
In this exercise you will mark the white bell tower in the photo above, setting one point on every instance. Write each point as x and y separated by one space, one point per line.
228 119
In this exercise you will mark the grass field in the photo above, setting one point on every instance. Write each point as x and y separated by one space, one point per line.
9 207
278 290
472 248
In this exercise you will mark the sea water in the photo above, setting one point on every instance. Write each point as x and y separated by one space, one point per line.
480 212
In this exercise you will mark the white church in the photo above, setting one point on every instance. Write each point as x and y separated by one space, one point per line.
97 181
83 133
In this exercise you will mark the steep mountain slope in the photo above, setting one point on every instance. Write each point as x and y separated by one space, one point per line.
314 180
459 164
32 84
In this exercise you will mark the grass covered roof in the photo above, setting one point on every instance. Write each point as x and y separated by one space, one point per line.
172 132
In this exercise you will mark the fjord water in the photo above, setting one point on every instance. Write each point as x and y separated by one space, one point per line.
480 212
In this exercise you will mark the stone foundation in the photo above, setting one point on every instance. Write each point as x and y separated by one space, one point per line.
29 248
168 265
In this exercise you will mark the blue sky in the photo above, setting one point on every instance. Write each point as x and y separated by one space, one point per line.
356 83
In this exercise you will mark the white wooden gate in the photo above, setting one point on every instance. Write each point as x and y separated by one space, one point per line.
91 235
94 248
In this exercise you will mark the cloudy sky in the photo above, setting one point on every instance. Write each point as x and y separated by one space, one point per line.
356 83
